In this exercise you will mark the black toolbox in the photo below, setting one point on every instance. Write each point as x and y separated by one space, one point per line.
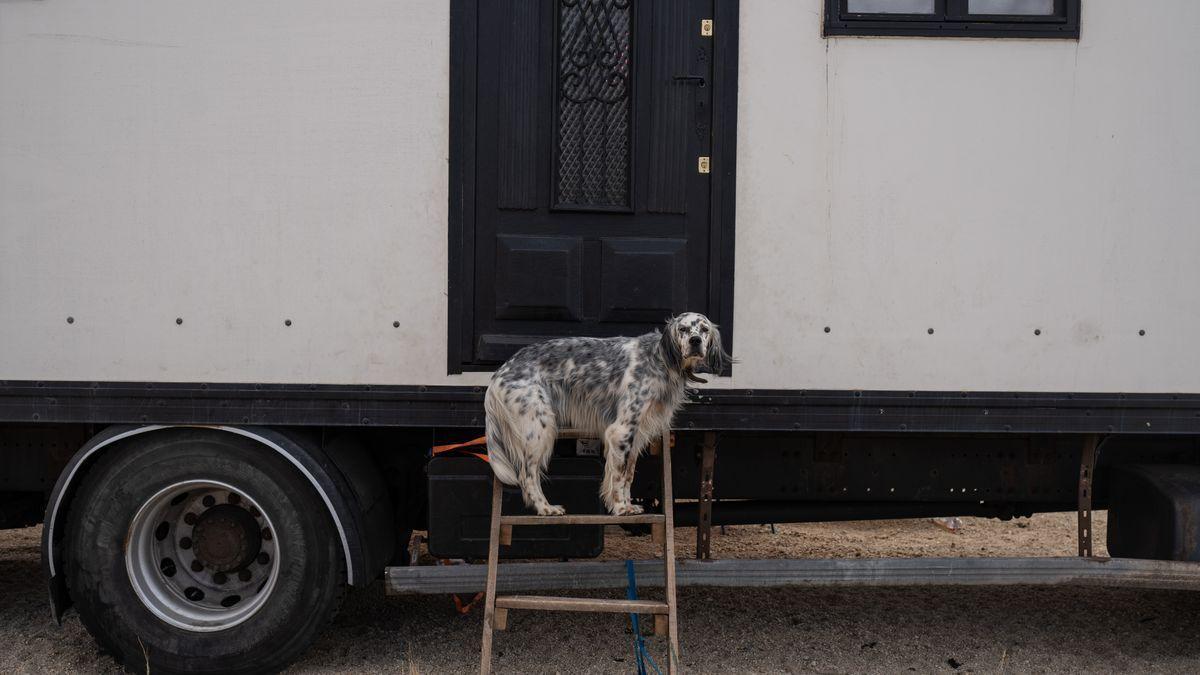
460 506
1153 510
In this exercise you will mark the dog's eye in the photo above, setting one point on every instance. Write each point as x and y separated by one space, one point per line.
703 329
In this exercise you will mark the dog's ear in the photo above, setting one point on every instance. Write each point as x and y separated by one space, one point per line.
670 346
717 358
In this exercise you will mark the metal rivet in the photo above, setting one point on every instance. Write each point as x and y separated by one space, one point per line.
1141 332
178 321
395 324
1037 331
70 319
930 331
827 329
287 322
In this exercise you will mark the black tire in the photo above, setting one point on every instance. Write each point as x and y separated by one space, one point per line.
311 575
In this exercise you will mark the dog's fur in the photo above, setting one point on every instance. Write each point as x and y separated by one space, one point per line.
624 390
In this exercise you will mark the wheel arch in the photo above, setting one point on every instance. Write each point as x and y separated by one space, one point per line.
310 460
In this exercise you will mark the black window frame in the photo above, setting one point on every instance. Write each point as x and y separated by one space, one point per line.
951 19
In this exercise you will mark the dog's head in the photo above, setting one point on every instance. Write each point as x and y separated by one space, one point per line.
691 343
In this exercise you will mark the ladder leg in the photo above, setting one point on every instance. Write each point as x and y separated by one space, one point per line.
489 602
668 498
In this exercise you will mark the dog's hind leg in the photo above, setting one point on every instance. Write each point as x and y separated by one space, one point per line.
538 432
626 477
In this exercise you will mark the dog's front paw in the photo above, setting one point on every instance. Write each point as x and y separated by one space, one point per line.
551 510
626 509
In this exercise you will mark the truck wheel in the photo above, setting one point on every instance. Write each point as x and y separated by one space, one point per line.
201 551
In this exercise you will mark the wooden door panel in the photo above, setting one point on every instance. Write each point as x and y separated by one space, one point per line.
539 278
642 280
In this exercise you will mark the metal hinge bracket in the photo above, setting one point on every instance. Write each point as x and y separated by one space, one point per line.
703 164
1087 466
706 27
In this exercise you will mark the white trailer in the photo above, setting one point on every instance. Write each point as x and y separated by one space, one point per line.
256 259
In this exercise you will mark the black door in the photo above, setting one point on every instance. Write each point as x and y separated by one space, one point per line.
592 199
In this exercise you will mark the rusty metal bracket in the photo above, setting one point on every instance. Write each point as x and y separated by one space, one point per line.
708 458
1087 465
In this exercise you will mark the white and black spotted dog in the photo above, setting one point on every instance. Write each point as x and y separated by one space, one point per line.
624 390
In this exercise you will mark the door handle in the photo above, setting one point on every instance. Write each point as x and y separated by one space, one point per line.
697 80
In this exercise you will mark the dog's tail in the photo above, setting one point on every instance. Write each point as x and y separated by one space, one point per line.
499 435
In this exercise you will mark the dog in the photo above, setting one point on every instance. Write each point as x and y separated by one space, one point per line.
624 390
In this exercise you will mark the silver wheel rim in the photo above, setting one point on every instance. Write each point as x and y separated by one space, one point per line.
202 555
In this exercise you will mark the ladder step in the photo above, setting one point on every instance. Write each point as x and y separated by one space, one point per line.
580 604
584 519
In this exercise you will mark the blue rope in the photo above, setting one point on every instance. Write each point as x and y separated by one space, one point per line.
639 643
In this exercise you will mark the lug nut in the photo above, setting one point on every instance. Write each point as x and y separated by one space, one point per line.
197 566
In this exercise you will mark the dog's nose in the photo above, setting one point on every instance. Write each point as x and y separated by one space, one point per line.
695 341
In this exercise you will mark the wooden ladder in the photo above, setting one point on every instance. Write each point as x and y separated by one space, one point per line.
495 613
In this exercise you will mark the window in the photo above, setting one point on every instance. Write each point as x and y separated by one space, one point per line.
954 18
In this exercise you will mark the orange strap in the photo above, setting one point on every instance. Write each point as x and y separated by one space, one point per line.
482 440
465 607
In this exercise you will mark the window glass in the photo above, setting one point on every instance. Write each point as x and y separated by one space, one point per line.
1016 7
593 103
890 6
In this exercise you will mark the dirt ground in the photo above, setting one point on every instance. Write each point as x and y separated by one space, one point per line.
860 630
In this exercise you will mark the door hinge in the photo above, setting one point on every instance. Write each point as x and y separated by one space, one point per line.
703 164
706 27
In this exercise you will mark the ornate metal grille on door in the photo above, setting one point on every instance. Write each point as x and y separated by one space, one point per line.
593 92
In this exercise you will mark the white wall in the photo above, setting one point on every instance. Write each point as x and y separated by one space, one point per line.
232 163
982 188
239 164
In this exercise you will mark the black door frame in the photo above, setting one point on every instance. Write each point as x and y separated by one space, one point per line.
463 111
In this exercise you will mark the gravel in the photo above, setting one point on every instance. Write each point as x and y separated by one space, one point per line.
1009 629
